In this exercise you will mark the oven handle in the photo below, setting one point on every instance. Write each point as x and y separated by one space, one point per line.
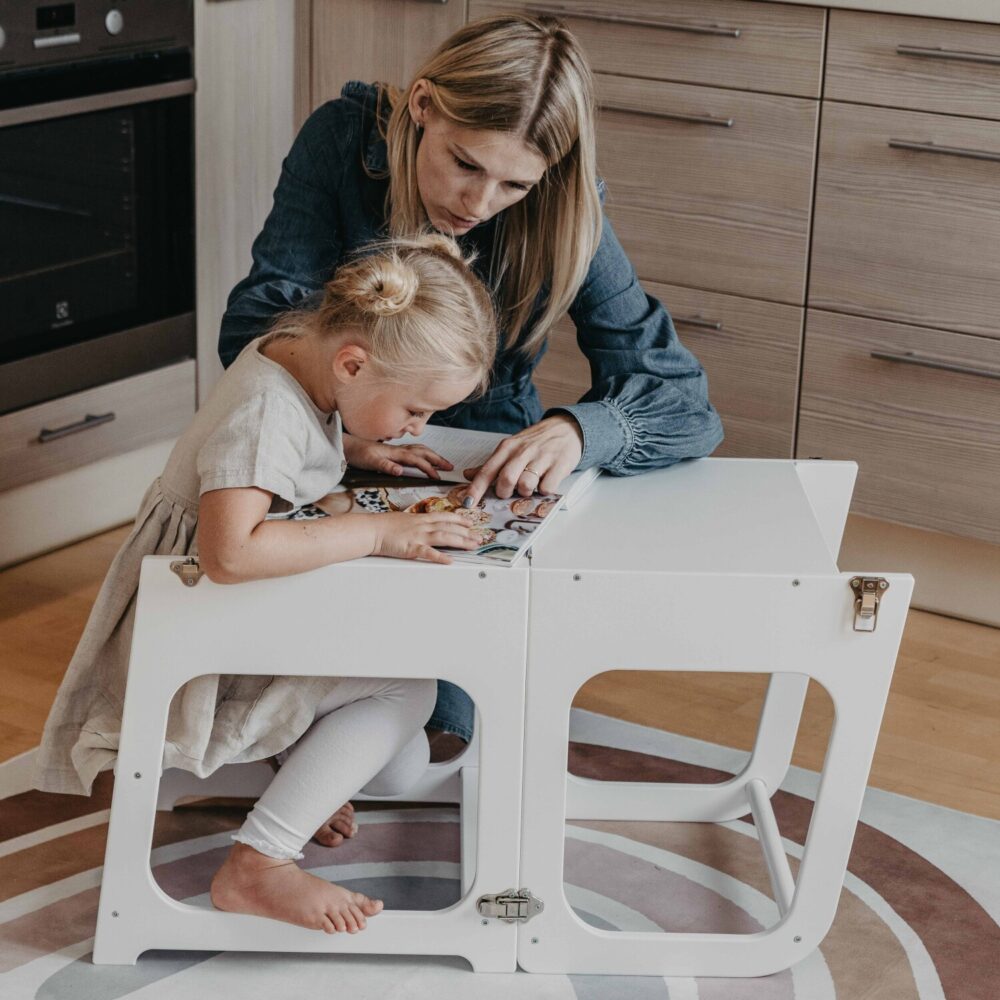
95 102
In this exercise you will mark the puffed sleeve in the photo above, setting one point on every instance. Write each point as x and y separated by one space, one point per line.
648 403
261 443
301 240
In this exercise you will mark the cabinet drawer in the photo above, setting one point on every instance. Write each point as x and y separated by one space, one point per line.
914 62
775 48
750 352
907 221
60 435
924 428
710 188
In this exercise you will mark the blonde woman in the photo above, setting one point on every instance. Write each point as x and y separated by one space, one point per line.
400 333
492 142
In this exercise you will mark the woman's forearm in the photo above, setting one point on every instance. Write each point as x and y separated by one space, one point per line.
282 548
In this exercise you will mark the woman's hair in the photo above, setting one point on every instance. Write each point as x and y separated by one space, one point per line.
417 307
526 76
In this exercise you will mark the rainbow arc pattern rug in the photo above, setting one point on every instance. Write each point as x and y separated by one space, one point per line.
918 917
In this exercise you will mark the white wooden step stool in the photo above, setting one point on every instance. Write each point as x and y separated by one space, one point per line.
720 564
717 565
368 618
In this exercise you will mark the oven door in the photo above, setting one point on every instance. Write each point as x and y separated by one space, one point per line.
96 239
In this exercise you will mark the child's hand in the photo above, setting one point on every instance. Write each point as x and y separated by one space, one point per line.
413 536
393 459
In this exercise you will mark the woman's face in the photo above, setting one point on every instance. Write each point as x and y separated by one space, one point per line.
466 176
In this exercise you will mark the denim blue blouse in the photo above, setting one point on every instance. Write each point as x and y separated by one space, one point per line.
648 403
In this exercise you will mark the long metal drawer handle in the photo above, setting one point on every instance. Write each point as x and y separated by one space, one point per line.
956 54
674 116
588 15
81 425
930 147
909 358
708 324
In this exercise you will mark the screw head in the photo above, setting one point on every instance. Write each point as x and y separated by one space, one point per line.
114 913
795 583
138 774
534 940
882 584
855 582
576 576
485 923
482 574
797 939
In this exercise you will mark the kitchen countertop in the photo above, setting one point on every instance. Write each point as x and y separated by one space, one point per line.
956 10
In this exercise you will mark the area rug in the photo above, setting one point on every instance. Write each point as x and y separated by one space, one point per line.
918 916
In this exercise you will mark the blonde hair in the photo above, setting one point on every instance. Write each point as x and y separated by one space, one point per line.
417 307
526 76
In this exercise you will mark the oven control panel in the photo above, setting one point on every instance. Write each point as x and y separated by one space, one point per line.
41 34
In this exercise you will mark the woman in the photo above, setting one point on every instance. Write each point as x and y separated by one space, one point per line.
493 142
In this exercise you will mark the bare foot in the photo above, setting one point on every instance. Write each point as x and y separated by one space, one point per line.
340 825
251 882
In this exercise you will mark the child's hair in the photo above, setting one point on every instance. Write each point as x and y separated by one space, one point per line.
527 76
418 309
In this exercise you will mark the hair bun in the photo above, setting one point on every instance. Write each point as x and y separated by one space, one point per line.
388 286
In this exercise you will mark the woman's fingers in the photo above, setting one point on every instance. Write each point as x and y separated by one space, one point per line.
552 480
488 471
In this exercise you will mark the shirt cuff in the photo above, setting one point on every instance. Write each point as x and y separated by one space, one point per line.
607 436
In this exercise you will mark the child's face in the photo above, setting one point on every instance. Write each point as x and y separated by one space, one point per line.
378 411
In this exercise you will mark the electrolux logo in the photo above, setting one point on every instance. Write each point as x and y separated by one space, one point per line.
63 317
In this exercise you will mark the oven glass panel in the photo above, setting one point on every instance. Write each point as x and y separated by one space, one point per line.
96 224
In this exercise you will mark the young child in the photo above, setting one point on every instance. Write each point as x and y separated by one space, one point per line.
401 332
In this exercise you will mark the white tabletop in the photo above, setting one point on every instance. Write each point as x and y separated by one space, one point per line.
715 515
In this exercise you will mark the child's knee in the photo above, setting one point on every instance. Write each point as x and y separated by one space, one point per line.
424 697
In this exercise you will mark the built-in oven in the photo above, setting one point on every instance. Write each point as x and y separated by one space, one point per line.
96 194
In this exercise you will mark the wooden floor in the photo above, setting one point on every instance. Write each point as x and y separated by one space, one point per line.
940 740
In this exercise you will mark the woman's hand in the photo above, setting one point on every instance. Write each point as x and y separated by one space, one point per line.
538 459
393 459
414 536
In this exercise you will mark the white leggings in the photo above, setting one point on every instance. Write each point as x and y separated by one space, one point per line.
367 734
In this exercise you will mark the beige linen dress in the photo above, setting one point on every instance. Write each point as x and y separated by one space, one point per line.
258 428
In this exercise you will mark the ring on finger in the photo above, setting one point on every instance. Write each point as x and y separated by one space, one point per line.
528 468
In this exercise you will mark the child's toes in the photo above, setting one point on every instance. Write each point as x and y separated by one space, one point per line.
369 907
359 917
338 920
349 921
328 837
343 825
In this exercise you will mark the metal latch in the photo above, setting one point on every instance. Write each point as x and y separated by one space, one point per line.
511 906
188 570
868 591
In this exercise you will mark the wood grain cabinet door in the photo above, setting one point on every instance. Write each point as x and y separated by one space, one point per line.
917 409
920 63
907 221
771 47
369 40
707 187
749 350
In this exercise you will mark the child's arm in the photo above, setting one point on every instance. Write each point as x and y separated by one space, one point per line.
236 543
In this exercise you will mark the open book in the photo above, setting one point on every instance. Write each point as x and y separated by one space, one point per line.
508 527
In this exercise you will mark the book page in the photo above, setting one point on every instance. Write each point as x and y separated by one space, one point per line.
466 449
506 527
